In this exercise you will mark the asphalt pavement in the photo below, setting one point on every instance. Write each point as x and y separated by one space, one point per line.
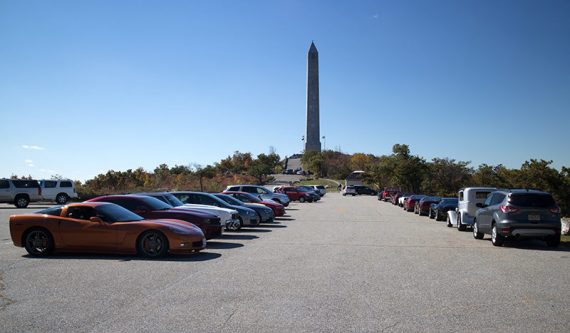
342 264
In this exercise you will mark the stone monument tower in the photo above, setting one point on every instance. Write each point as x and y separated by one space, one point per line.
313 142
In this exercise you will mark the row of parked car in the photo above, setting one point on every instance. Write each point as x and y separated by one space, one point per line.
21 192
149 224
302 193
504 214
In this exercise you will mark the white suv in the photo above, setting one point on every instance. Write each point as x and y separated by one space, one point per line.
58 190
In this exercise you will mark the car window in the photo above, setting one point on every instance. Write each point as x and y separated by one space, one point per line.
80 213
206 200
116 213
489 200
65 184
461 195
172 200
497 198
540 200
185 198
481 195
4 184
55 211
123 202
249 189
233 188
26 183
50 183
261 190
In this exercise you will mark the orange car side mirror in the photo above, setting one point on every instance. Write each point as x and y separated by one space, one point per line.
96 219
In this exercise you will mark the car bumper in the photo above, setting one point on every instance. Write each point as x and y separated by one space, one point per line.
184 246
524 230
278 211
212 231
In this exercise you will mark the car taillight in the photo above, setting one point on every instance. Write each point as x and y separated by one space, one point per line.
508 209
555 210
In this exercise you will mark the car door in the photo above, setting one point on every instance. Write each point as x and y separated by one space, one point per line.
5 193
484 215
78 232
49 190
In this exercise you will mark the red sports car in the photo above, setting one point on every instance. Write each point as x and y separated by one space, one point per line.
278 209
102 227
152 208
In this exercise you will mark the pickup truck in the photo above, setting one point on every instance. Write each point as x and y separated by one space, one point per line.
468 198
19 192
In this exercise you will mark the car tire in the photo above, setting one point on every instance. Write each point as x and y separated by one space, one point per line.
496 238
302 199
38 242
61 198
476 233
152 244
460 227
553 241
21 201
430 214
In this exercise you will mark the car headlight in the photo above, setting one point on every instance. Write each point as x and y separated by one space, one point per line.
251 213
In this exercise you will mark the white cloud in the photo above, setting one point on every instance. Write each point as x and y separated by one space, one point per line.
51 172
375 16
32 147
29 163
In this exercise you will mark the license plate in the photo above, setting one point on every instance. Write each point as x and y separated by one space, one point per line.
534 217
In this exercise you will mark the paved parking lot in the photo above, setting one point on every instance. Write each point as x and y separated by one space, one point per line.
342 264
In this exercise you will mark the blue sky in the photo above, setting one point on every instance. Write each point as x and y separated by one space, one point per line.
88 86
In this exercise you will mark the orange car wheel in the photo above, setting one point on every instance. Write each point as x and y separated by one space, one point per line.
38 242
152 244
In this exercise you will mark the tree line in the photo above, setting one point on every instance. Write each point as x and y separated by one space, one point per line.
236 169
440 176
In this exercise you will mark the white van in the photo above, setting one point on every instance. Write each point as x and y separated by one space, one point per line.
468 197
58 190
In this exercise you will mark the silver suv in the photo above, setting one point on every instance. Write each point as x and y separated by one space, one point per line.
261 192
19 192
58 190
520 213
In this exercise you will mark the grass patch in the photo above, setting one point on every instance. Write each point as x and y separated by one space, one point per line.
332 186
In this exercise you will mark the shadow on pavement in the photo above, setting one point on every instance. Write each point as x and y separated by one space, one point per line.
284 219
532 244
222 245
272 226
235 236
24 210
201 256
254 230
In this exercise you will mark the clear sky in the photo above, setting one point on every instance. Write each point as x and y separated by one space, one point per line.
88 86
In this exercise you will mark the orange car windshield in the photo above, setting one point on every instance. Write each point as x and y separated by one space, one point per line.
115 213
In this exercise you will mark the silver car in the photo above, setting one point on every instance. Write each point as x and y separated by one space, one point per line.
261 192
513 214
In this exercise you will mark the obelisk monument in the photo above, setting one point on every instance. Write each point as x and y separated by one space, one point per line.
313 142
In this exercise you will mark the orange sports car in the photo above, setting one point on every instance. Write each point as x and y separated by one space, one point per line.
102 227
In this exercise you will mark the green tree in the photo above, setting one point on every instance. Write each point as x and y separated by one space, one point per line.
446 176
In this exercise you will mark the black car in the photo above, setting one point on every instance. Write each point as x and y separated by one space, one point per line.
439 210
361 189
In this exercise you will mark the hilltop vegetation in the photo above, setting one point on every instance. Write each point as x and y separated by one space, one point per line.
440 176
412 173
